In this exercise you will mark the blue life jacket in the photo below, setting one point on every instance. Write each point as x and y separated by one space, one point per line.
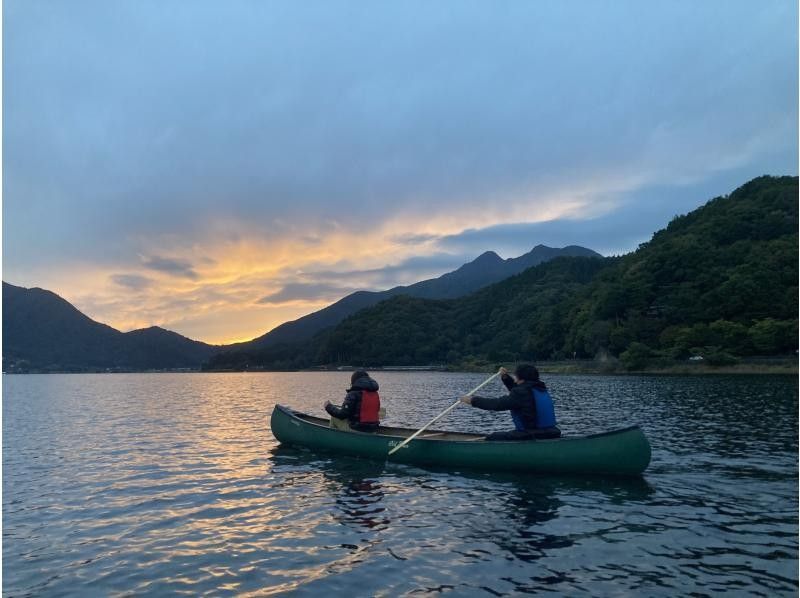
545 413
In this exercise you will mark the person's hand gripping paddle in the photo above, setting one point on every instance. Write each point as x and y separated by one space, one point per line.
445 412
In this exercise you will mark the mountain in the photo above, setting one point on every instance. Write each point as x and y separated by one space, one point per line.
721 282
484 270
42 331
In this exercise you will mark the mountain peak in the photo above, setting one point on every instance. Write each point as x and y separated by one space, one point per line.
487 257
151 330
486 260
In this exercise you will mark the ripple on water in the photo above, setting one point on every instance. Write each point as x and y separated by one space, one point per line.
172 484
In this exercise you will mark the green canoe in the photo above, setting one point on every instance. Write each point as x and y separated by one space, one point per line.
623 452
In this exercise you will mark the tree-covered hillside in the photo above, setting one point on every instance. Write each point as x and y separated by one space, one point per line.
724 276
721 281
509 320
484 270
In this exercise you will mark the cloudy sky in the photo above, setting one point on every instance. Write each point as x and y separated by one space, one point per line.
218 168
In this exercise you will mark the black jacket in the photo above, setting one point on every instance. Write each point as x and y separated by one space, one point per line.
351 408
518 399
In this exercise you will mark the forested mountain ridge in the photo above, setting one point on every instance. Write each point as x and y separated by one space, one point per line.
723 278
44 332
718 282
485 325
484 270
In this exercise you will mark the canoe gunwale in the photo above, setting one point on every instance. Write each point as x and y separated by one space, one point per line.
311 420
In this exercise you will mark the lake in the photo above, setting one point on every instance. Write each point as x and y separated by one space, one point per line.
170 484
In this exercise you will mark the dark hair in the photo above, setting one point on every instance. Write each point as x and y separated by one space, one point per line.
358 374
527 372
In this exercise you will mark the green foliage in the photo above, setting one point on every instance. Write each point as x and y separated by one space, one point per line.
637 356
723 278
770 336
717 356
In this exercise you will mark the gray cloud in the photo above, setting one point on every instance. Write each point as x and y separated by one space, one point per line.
414 238
302 291
406 271
173 267
641 213
124 120
327 284
132 281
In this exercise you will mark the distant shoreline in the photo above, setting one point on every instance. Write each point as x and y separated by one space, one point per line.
684 370
762 366
767 365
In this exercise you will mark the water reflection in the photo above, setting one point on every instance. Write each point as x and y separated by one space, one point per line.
359 496
510 512
355 484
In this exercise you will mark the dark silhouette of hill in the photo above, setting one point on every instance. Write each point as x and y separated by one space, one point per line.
42 331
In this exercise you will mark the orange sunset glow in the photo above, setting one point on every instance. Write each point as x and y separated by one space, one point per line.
219 290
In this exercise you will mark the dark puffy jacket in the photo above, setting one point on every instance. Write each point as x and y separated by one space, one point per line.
351 408
519 399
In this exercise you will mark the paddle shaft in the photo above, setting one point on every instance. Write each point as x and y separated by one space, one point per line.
442 414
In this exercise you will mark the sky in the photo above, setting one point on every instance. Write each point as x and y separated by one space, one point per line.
218 168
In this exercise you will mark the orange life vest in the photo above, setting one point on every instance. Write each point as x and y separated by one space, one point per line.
370 406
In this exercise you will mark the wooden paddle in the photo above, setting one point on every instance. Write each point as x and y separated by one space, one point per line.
443 413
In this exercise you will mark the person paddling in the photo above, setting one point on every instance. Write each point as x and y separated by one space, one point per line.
361 407
528 401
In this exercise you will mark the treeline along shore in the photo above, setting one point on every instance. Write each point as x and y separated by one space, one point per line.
716 288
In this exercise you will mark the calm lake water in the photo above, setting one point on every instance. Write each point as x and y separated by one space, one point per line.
167 484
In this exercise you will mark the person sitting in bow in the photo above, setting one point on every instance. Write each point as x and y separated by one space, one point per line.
528 401
361 407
